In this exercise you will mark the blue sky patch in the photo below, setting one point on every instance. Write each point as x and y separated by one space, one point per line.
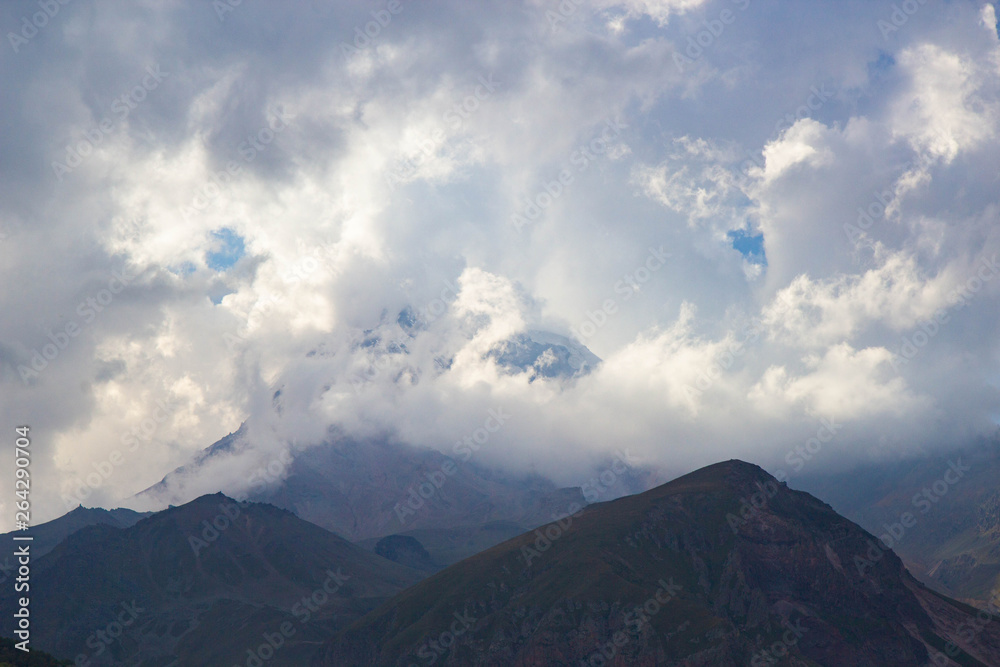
751 247
882 64
227 248
183 269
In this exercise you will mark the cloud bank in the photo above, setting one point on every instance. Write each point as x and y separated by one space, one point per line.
337 213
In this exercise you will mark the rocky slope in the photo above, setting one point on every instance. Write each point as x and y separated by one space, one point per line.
721 567
953 544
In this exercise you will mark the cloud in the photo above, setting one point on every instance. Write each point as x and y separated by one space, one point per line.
943 111
313 227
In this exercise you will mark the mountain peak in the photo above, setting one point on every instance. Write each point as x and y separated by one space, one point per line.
214 574
724 560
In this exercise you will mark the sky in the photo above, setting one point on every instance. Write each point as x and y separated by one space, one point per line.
776 224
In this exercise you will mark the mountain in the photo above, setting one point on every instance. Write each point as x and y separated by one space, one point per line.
544 355
953 544
369 488
207 583
447 546
541 354
10 656
48 535
721 567
363 489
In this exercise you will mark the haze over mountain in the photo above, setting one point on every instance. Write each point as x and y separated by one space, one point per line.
371 488
952 542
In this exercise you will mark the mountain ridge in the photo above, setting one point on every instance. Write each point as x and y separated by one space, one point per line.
746 560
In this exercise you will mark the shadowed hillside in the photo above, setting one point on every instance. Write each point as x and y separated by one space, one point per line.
203 584
721 567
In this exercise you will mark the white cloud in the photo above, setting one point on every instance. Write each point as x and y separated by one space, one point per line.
942 112
843 383
380 195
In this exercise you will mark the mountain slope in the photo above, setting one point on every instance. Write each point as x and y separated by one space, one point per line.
690 573
203 584
10 656
954 542
372 488
447 546
48 535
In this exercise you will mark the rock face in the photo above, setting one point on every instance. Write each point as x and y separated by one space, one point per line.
203 584
721 567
